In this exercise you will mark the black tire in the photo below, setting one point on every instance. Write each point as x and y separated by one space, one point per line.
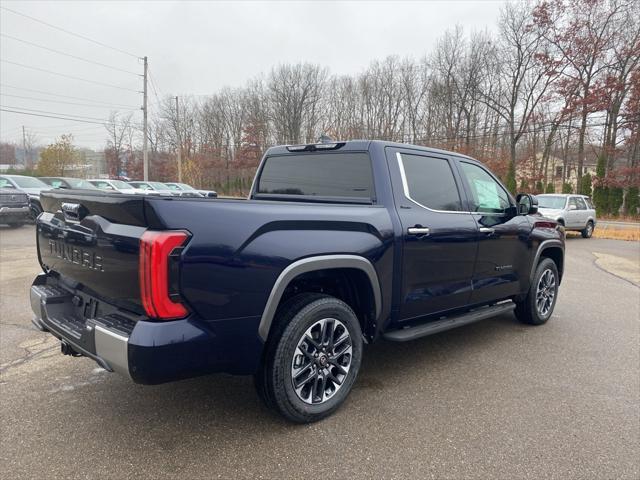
588 230
274 380
528 310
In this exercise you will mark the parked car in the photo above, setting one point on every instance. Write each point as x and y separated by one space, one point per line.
574 212
31 186
183 187
68 182
338 244
155 187
15 209
115 186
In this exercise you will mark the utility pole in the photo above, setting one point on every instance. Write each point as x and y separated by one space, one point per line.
179 142
145 157
24 148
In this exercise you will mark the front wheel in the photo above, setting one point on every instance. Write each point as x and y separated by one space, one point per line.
588 230
538 306
312 358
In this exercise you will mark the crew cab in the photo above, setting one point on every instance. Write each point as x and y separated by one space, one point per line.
338 244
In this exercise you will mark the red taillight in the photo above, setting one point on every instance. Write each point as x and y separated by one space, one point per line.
155 249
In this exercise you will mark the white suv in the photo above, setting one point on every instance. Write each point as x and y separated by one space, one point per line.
575 212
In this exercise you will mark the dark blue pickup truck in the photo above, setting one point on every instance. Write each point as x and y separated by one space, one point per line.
339 244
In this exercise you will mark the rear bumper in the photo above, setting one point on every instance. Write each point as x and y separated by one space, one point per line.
147 352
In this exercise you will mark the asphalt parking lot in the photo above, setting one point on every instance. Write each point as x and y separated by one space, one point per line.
495 399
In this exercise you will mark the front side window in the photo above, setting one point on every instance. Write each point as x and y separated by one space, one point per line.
429 181
581 204
337 175
487 195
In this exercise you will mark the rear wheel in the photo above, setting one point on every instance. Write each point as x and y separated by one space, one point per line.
588 230
312 358
538 306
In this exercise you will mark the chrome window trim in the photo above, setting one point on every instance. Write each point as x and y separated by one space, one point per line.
405 188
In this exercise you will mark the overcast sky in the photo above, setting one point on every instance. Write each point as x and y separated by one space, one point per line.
196 48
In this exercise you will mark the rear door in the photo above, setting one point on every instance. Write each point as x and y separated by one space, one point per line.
439 238
503 235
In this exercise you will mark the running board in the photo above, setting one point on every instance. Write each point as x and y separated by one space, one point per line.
411 333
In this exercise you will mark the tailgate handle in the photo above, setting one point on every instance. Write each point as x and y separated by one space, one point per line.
72 211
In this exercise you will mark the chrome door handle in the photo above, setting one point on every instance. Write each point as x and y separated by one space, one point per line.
487 230
418 231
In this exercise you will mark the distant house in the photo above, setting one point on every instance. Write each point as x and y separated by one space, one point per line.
555 171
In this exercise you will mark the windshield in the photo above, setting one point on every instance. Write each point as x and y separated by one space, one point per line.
4 183
77 183
121 185
159 186
29 182
556 203
184 186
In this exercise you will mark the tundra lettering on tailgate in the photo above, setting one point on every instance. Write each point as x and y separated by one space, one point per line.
75 255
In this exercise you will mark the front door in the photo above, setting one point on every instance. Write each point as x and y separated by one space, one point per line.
502 236
572 217
439 238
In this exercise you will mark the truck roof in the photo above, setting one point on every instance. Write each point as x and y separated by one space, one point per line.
359 145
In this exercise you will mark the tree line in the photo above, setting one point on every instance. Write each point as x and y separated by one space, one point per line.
557 80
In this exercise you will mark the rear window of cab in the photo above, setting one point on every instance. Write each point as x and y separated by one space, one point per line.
333 175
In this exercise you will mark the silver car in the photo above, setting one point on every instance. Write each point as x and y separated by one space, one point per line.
575 212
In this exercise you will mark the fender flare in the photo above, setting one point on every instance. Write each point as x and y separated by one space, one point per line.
310 264
541 248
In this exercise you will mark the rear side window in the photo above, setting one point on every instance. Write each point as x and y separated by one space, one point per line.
342 175
429 181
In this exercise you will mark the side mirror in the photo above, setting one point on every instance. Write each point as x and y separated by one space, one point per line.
572 207
527 204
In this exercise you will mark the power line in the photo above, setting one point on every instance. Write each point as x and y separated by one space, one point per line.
70 33
94 105
64 96
70 55
69 76
58 113
49 116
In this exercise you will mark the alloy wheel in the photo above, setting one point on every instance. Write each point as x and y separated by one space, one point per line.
545 292
321 361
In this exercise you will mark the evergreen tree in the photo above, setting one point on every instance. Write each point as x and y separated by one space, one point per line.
600 192
510 181
586 184
615 200
633 202
567 188
550 188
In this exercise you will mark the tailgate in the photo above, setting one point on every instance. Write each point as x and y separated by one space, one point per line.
91 241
